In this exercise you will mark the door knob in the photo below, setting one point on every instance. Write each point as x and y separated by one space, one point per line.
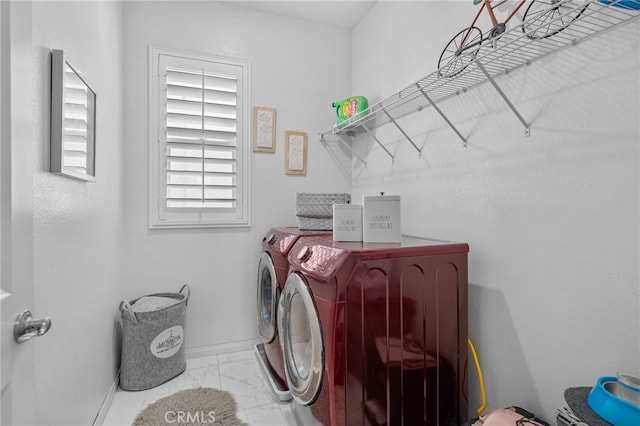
26 327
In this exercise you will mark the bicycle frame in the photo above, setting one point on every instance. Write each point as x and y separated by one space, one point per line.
486 4
541 19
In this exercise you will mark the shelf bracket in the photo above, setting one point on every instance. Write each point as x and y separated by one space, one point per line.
350 149
433 104
347 174
378 141
403 132
527 127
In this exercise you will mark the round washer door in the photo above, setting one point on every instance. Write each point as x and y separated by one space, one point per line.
301 340
267 298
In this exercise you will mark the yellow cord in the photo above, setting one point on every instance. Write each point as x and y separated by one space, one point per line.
480 378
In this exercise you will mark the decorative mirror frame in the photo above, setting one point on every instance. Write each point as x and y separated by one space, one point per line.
73 121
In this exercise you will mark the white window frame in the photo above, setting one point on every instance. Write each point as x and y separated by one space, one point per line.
161 216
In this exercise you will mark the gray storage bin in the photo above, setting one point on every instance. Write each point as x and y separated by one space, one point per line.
314 211
153 331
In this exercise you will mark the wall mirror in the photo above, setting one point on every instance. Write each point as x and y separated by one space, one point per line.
73 121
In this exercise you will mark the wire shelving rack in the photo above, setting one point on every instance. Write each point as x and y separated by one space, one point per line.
509 51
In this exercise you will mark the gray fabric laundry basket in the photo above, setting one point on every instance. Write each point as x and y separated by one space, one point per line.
153 339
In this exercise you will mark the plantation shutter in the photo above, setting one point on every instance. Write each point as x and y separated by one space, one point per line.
78 127
201 139
202 161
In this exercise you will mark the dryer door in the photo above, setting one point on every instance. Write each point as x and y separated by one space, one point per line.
301 340
267 298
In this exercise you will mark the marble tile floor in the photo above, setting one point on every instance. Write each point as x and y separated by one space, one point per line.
237 373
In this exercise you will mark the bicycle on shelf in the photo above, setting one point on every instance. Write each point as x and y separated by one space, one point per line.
542 19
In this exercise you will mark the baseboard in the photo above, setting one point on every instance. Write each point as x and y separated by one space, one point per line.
106 404
222 348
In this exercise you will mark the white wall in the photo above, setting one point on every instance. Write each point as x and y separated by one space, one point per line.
77 226
552 220
297 67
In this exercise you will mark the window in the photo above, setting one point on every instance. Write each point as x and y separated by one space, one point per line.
199 173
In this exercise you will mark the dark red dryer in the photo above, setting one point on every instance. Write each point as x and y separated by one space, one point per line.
273 268
376 334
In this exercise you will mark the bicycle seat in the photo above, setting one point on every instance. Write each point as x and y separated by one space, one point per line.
477 1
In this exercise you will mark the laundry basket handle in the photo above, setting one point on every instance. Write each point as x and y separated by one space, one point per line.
126 307
186 302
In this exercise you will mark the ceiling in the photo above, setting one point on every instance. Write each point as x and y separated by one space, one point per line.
340 13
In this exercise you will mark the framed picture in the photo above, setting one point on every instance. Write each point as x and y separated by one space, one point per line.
73 121
264 129
296 153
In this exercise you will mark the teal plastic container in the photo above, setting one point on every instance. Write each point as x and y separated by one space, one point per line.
610 407
624 4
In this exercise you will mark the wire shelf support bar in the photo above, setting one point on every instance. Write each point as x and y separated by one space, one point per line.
435 106
350 149
370 133
345 173
403 132
527 127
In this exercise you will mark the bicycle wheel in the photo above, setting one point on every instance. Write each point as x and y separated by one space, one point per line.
544 18
454 60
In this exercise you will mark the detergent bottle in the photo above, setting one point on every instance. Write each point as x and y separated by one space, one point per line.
350 107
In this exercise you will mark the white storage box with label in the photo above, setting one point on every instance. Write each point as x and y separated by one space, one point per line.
153 339
381 219
347 222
